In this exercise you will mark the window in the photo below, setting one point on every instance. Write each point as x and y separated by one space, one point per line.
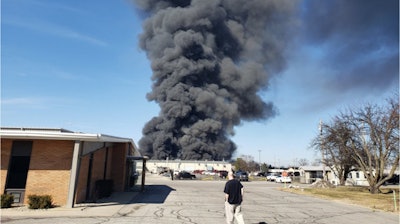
19 164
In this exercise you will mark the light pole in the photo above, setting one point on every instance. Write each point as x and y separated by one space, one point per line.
322 150
259 158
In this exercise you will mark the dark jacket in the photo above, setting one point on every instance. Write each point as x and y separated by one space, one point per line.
234 189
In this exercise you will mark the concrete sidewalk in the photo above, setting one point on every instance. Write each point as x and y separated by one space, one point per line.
104 207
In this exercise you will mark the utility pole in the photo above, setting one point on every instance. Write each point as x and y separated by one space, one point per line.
259 158
322 150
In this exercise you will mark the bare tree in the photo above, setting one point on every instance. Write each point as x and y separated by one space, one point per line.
303 162
241 164
375 141
332 142
252 166
247 158
316 162
366 138
246 163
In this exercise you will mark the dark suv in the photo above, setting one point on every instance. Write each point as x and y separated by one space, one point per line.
185 175
223 174
242 176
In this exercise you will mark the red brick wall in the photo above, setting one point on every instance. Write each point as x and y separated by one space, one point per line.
109 163
98 167
118 166
115 171
6 145
82 180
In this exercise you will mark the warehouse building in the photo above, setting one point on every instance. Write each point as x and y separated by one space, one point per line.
72 167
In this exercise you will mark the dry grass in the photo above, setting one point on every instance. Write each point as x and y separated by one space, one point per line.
355 195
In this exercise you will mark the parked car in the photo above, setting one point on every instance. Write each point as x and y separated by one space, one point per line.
393 180
271 176
198 171
260 174
208 172
185 175
242 176
223 174
282 179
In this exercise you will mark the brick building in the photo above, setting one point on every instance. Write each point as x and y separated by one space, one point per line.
72 167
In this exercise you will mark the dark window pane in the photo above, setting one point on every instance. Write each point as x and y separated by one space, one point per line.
19 164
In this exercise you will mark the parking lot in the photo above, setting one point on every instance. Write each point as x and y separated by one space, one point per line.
197 201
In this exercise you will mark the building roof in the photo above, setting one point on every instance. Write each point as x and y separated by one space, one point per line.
58 134
314 168
187 161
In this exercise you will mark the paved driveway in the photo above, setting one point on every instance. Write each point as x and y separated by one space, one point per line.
202 202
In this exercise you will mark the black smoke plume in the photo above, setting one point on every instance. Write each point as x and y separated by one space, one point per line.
210 59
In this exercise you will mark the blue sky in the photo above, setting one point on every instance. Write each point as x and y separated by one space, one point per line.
78 65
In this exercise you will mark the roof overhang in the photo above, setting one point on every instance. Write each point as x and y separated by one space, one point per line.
58 134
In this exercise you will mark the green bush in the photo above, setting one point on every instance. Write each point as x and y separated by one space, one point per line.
7 200
40 201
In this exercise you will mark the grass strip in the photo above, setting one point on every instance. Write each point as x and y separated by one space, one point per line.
355 195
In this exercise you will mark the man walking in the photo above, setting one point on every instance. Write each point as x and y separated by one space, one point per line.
233 199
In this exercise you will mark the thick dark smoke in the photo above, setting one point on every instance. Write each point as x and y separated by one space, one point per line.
361 39
210 59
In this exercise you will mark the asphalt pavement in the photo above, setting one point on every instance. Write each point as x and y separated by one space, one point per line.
195 201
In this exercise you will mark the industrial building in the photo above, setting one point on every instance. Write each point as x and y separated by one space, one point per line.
72 167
